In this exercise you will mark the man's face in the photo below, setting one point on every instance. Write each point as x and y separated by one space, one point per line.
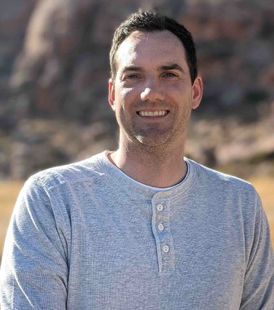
152 94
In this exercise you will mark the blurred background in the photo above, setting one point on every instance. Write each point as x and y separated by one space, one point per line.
53 86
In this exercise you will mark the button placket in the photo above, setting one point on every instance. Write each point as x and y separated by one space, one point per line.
162 233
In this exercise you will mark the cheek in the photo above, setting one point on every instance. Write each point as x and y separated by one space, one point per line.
182 95
175 90
127 93
126 98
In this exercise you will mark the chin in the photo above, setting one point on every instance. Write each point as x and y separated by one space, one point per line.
153 141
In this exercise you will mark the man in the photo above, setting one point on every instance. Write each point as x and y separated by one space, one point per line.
141 227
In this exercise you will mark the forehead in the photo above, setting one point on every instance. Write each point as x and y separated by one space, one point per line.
150 49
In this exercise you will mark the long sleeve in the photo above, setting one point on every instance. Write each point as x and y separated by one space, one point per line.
34 266
258 290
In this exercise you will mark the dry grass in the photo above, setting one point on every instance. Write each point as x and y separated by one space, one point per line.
265 187
9 192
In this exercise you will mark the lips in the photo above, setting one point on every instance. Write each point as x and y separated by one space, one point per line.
157 113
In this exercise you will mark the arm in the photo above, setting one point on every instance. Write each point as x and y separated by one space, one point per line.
34 266
258 290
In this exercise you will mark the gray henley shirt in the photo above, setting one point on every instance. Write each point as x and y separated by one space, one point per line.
86 236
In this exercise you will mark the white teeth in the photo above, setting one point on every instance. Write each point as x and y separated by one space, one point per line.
152 113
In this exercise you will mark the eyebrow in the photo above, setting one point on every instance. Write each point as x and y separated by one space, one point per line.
164 67
172 67
132 68
128 69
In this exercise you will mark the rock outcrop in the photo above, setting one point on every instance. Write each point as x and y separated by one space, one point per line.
54 71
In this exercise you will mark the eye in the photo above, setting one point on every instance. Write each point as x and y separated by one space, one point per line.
169 75
132 76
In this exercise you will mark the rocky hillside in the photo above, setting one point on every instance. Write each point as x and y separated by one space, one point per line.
54 71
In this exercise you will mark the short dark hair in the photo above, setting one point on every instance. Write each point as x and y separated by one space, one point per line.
148 21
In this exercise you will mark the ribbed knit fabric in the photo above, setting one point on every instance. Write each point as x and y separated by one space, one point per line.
86 236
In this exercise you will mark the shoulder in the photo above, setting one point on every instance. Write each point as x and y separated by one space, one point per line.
232 196
69 174
217 179
225 189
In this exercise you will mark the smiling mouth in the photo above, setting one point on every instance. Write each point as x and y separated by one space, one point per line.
158 113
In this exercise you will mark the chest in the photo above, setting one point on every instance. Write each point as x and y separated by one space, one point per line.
132 254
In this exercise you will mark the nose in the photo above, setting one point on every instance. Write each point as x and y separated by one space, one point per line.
152 92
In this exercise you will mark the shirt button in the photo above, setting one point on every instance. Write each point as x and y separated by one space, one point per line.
165 248
160 207
161 227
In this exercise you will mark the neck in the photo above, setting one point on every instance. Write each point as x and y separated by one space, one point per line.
151 166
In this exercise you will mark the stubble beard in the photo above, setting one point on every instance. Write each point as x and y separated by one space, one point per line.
154 140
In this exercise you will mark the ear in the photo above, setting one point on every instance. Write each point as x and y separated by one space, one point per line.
197 92
111 94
